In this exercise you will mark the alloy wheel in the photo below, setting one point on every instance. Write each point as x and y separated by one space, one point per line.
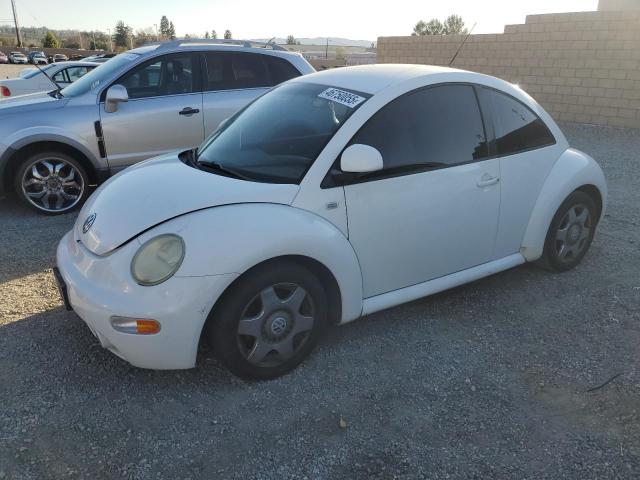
52 185
275 324
572 235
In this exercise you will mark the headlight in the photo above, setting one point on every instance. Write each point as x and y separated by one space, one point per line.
157 259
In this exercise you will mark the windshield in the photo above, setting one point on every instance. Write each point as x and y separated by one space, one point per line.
279 136
99 75
35 71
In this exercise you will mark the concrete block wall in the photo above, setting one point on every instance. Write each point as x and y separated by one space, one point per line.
582 67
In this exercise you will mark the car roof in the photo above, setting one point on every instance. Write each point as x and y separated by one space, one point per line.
374 78
214 45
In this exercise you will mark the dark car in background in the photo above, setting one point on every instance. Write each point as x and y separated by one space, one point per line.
60 57
37 58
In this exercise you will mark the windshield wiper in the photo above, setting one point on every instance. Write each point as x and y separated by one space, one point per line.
215 167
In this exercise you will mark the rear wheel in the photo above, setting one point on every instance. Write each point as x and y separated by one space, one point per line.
52 182
570 233
269 322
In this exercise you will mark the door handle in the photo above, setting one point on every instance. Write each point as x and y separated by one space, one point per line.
487 180
188 111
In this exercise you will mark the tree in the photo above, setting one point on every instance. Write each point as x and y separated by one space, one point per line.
50 41
227 35
171 32
164 26
453 25
214 34
291 40
206 35
433 27
122 34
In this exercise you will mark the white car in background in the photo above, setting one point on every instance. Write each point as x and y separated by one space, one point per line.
18 57
334 195
49 77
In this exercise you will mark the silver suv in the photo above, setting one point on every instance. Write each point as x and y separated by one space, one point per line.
141 103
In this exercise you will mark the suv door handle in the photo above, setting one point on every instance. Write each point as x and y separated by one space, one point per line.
487 180
188 111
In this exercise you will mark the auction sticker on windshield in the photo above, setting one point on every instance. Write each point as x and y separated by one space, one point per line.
340 96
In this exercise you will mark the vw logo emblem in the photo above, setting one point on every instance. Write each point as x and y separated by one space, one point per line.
278 326
88 223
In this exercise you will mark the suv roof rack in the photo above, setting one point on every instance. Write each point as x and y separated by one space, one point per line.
215 41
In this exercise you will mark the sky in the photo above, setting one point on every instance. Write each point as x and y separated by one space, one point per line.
354 19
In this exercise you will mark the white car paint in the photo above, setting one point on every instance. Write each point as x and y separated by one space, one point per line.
378 239
38 81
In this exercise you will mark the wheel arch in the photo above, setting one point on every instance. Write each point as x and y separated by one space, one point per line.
22 150
573 171
322 272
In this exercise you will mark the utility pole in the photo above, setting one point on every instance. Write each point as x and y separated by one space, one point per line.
326 51
110 39
15 20
157 37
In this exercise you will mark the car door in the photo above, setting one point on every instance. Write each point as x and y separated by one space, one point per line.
233 79
527 152
433 209
163 113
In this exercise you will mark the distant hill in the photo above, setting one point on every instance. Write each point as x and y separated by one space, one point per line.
336 41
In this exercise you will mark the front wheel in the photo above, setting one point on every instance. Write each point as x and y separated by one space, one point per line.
52 182
269 322
570 233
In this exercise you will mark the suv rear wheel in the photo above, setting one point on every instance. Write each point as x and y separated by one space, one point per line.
52 182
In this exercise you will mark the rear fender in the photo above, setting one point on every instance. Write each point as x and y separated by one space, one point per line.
574 169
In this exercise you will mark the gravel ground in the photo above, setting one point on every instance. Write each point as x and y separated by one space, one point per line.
490 380
11 71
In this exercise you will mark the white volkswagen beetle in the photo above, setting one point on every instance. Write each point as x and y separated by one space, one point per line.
333 196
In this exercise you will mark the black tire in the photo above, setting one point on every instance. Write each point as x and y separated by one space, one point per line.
224 322
69 186
561 255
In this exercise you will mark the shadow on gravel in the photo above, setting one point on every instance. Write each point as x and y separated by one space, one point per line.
28 240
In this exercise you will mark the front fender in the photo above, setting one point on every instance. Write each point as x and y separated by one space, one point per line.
231 239
574 169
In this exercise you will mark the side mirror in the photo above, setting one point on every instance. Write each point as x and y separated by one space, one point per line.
115 95
360 159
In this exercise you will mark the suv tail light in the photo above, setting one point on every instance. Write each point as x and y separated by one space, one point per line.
5 92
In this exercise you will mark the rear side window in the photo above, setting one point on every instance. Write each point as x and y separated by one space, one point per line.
517 128
239 70
431 128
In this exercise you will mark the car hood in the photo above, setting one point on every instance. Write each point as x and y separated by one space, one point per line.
151 192
32 101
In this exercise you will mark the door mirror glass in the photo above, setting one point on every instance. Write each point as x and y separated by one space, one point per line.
360 158
115 95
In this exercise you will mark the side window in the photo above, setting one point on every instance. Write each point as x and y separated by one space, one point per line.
280 70
248 71
430 128
74 73
215 70
168 75
60 77
517 128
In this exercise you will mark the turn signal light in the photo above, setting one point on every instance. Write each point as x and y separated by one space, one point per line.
136 326
5 92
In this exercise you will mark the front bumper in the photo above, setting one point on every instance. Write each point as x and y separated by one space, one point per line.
101 287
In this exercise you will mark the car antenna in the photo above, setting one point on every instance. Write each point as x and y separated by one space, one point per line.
45 74
462 44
